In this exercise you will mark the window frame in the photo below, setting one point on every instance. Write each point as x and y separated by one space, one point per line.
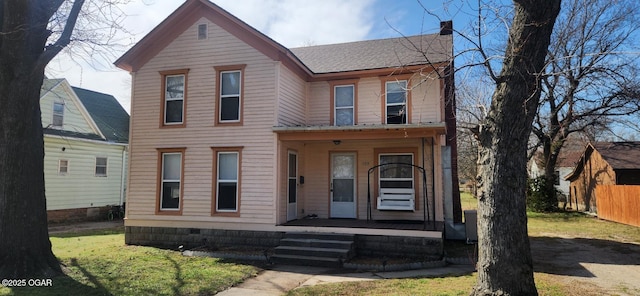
106 166
60 166
354 106
217 151
54 114
394 79
220 70
165 100
413 175
202 31
399 151
160 181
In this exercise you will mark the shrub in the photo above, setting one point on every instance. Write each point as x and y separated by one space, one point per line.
538 200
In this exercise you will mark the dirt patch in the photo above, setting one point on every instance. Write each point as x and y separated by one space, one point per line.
584 262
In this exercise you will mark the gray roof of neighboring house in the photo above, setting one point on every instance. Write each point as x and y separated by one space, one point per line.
620 155
107 113
376 54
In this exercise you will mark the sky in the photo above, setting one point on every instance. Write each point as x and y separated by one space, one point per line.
292 23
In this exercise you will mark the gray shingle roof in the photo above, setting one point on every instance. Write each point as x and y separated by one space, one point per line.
620 155
376 54
107 113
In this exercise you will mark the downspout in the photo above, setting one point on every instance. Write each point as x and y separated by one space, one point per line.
424 190
433 179
122 175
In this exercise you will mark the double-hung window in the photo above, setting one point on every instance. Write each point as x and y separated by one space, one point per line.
170 191
344 110
396 109
63 166
174 95
227 180
58 115
229 94
396 171
101 166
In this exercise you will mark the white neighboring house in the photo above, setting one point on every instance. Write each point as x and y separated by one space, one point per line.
564 166
86 137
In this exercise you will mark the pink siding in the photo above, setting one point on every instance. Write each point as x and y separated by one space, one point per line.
291 98
315 166
200 134
425 102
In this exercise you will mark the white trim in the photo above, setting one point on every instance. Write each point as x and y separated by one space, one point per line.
87 140
218 180
163 180
404 103
239 96
167 99
352 107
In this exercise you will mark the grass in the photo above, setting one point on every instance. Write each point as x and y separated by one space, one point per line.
98 263
569 224
456 285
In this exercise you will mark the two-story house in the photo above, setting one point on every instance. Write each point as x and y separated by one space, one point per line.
85 142
238 139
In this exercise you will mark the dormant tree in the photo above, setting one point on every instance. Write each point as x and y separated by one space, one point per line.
504 265
32 33
591 79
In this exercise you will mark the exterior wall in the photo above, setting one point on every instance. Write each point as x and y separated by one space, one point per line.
425 102
595 171
291 97
79 187
254 135
75 117
314 165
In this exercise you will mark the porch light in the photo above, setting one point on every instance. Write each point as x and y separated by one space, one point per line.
337 142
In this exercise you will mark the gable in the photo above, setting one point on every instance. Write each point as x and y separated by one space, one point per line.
76 119
189 14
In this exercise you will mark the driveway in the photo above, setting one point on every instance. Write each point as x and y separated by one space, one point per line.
583 263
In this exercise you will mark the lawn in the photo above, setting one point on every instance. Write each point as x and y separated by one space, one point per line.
564 224
98 263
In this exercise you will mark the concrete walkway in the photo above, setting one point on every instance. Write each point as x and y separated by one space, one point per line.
283 278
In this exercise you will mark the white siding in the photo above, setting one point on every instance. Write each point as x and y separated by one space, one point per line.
79 187
75 118
257 203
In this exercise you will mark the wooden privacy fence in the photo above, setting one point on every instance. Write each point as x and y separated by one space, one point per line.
619 203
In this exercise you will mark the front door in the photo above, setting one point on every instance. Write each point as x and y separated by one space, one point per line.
292 187
343 185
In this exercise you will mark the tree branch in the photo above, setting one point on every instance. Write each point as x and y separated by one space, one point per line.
65 38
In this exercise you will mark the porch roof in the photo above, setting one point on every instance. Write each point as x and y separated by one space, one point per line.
360 132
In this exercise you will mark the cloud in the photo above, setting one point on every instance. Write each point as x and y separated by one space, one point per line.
292 23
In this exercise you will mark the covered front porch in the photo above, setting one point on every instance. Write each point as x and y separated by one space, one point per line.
333 179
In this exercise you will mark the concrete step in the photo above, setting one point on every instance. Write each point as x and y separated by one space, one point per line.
313 252
314 249
307 260
320 236
318 243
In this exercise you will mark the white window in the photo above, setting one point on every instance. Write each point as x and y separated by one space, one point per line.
58 114
230 86
227 182
171 175
63 166
396 102
344 104
398 172
174 99
202 31
101 166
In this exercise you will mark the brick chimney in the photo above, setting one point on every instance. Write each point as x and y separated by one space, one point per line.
446 27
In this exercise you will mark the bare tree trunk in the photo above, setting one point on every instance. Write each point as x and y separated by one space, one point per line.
25 249
505 266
